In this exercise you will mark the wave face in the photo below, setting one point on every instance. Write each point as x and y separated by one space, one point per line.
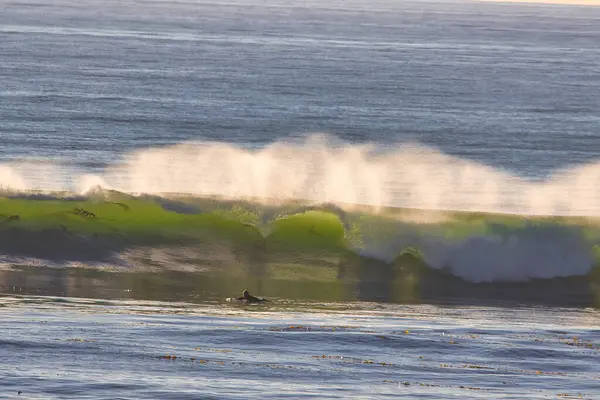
193 233
322 170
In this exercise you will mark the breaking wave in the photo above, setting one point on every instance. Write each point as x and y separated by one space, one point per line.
323 170
412 210
170 232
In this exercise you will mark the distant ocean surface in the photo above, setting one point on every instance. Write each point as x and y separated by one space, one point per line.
514 87
414 185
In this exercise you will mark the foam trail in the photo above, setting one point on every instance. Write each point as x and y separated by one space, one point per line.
321 170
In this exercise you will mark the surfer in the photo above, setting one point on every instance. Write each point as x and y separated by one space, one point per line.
248 298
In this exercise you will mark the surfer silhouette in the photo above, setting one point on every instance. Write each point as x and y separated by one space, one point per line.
248 298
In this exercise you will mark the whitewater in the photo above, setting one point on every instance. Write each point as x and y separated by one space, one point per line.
414 187
323 170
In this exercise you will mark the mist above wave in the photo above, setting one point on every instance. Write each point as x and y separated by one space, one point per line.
321 169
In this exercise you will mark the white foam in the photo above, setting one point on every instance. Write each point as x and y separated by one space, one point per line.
499 254
322 170
11 179
530 253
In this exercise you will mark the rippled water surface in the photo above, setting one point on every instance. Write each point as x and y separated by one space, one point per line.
55 348
512 86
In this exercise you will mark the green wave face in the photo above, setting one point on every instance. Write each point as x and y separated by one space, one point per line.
393 254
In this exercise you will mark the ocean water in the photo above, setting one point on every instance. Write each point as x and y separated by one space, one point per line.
414 186
100 349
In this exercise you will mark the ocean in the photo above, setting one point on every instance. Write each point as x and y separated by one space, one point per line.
412 185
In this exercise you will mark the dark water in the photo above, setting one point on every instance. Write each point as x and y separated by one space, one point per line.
90 334
368 282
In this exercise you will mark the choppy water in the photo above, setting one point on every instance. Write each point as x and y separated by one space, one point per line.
76 348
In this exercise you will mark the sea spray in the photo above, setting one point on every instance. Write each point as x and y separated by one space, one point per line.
320 169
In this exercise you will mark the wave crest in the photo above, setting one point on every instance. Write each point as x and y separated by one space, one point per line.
321 169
